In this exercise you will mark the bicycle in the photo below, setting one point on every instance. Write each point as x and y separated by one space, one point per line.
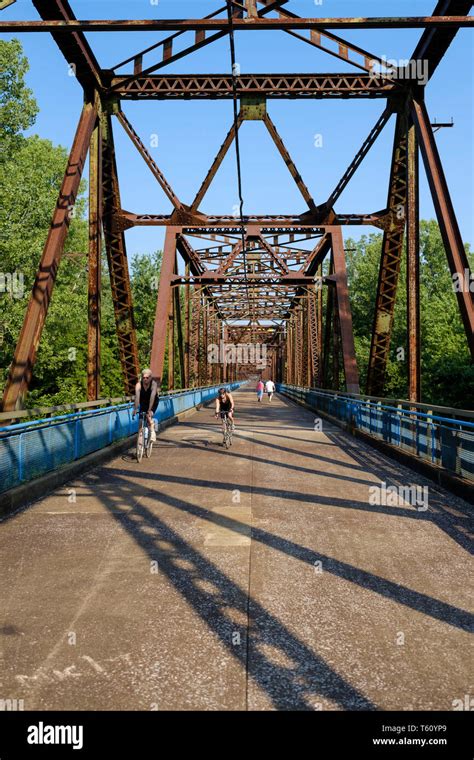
228 429
144 441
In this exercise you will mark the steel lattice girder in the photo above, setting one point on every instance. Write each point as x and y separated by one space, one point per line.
117 260
270 224
220 86
392 247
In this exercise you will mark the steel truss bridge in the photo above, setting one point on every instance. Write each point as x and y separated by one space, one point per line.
247 278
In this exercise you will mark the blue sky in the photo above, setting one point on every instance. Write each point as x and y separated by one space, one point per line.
190 133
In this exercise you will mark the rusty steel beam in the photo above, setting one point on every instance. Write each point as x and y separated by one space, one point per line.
453 244
229 260
166 43
21 370
150 162
94 262
220 86
222 24
274 255
344 48
215 165
359 157
117 261
74 47
169 57
328 328
290 280
344 312
392 246
270 224
289 162
179 332
171 346
163 305
434 43
317 256
413 267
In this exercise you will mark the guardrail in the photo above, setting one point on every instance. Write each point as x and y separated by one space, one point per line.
31 449
445 441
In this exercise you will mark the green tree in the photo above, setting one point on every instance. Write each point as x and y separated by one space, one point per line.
18 107
444 351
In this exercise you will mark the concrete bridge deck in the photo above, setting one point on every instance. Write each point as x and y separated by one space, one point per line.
256 578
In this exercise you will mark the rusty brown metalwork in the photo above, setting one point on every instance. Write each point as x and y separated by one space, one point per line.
219 86
95 264
151 163
260 279
221 24
163 305
392 247
344 312
21 369
413 267
117 260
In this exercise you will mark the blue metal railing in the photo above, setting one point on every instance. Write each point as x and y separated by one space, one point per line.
447 442
31 449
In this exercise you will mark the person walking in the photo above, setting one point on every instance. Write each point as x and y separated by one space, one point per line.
260 388
270 389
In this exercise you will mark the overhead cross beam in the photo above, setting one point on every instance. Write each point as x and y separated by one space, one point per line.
281 86
247 24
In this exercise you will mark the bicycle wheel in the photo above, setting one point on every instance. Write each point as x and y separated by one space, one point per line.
140 445
149 447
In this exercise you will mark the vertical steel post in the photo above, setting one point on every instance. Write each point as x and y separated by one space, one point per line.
392 248
94 261
162 305
187 317
179 333
117 259
413 268
344 311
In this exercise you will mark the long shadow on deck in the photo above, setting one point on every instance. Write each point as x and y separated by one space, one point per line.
288 688
423 603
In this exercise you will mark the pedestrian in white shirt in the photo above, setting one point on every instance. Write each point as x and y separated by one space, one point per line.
270 389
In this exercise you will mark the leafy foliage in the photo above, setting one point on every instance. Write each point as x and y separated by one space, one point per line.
18 107
446 369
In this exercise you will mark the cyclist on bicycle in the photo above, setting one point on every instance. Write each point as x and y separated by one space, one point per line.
225 406
146 399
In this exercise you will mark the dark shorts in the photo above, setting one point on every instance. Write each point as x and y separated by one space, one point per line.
144 407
